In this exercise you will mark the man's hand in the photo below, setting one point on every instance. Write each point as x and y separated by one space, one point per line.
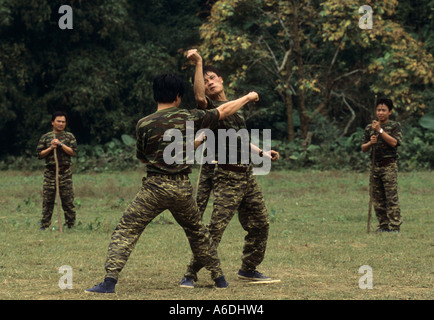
376 125
54 143
374 139
273 155
252 96
194 56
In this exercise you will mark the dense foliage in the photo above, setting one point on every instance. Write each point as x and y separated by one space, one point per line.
316 72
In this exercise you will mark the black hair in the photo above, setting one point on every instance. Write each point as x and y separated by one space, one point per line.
386 102
210 68
59 114
167 87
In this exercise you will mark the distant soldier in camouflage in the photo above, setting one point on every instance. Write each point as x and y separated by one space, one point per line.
66 146
235 188
385 136
167 185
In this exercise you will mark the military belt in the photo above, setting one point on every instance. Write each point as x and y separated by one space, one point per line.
234 168
61 168
385 162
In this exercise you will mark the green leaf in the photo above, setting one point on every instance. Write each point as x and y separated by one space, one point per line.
427 121
128 140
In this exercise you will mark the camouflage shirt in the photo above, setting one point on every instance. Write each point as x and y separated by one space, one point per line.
383 151
151 147
63 158
231 146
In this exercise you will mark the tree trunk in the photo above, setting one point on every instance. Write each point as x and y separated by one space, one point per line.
301 96
289 115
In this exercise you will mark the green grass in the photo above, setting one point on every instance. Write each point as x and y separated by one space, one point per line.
317 241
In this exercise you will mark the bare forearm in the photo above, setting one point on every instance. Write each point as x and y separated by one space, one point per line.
67 150
45 152
254 149
391 141
199 86
366 146
199 83
229 108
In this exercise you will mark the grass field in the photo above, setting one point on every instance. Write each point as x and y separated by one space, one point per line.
317 243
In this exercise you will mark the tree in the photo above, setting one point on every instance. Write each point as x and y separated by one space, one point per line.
100 71
314 54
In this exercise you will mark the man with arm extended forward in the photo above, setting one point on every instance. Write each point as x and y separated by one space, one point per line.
234 185
166 186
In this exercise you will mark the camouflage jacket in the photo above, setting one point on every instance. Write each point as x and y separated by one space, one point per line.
383 151
63 158
152 148
231 146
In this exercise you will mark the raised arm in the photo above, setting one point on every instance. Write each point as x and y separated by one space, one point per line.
199 83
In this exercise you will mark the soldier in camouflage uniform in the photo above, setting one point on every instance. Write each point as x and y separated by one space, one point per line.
234 186
66 147
167 185
385 136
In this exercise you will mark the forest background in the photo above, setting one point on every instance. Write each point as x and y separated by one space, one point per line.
316 71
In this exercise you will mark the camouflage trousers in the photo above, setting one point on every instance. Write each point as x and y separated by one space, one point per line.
238 191
205 187
158 193
385 196
66 193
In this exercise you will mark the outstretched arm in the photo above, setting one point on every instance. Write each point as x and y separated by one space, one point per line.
229 108
272 154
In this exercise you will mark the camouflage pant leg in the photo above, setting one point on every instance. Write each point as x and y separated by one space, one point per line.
204 251
228 191
49 195
66 192
204 188
156 195
253 217
385 196
238 191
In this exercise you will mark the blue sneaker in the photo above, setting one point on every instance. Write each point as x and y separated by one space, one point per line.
107 286
252 276
220 283
187 283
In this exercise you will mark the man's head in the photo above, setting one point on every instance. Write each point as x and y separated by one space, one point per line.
383 109
58 121
167 88
213 82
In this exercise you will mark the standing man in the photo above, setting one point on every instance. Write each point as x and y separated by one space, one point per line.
385 136
166 186
66 147
235 187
